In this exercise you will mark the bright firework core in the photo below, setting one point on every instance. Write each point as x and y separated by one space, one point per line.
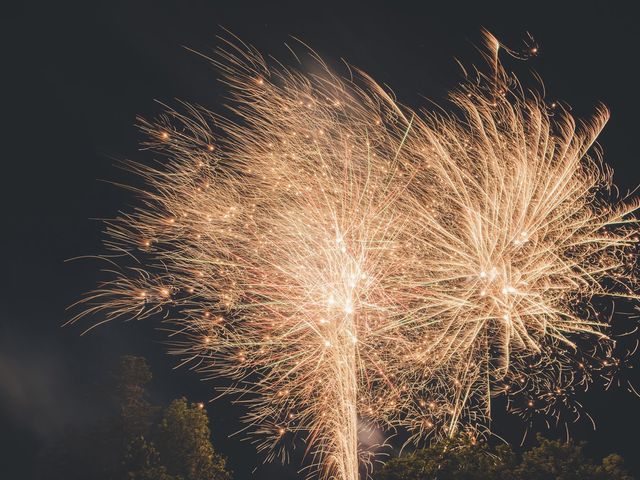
348 263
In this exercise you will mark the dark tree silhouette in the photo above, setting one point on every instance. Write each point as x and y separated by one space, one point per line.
457 459
185 445
466 459
137 440
143 462
556 460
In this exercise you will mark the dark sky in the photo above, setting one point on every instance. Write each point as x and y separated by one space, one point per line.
74 76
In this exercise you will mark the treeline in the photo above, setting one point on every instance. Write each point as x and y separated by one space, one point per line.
142 441
467 459
137 440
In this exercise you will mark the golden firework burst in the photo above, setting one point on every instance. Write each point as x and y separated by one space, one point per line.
345 261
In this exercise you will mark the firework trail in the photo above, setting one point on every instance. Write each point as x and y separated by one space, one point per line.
344 261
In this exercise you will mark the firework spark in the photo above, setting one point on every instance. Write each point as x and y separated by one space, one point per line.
345 261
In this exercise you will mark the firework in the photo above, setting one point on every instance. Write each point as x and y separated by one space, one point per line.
525 242
346 262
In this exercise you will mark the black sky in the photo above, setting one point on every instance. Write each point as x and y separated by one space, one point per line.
75 75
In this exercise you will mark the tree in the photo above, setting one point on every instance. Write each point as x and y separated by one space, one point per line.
135 412
462 458
124 446
105 450
556 460
612 468
185 446
131 451
143 462
466 459
129 444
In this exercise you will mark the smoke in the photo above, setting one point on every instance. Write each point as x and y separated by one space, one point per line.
37 391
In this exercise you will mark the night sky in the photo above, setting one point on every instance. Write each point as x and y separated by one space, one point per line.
74 77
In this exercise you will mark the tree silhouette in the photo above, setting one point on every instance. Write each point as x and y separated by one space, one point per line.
457 459
137 440
464 458
185 445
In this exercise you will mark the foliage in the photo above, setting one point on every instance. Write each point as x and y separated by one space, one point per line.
555 460
467 459
458 459
612 468
137 443
136 440
143 462
185 446
135 412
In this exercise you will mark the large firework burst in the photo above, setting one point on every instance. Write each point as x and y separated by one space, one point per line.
343 260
